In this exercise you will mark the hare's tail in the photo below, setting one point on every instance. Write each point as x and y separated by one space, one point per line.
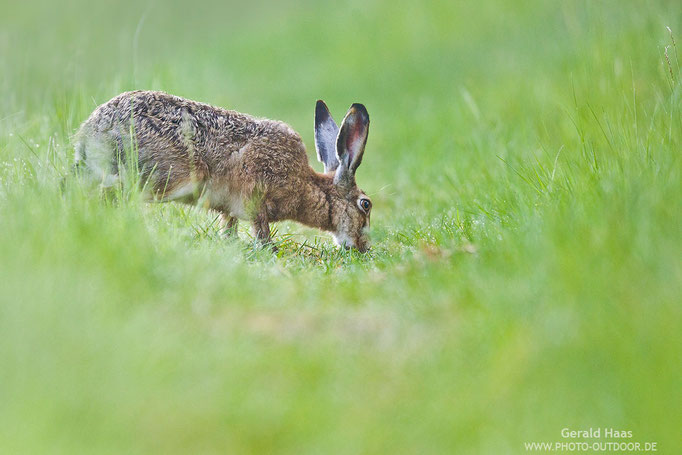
94 157
91 160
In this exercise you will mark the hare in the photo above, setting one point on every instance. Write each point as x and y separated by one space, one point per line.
243 167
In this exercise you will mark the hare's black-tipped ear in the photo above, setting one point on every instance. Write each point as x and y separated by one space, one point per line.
326 132
350 144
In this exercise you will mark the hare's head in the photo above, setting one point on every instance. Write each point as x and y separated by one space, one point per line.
340 150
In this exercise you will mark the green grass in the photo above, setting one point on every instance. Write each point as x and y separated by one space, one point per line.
524 162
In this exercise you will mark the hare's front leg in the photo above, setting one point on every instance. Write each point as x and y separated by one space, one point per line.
261 228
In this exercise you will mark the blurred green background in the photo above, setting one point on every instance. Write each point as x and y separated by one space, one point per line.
524 164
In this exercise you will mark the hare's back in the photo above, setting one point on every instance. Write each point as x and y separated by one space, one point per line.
175 136
164 114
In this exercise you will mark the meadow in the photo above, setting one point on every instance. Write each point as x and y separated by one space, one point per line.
524 162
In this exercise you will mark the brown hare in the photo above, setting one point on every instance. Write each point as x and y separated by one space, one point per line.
241 166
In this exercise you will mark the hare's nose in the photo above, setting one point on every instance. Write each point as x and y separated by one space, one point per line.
363 248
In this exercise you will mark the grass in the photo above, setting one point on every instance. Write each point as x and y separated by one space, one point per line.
524 164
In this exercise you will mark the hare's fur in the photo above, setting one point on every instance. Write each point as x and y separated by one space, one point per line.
241 166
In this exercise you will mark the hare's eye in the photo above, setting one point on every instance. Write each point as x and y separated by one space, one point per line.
365 204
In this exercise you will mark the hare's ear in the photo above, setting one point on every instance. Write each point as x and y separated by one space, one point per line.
350 144
326 132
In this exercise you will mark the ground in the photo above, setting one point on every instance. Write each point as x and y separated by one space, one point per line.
524 166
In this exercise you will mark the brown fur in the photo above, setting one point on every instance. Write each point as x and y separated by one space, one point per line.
242 166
